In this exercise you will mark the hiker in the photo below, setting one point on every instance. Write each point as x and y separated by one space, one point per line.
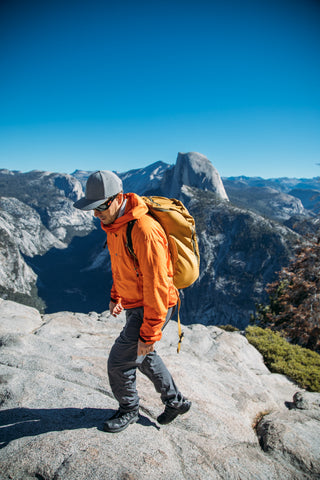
143 287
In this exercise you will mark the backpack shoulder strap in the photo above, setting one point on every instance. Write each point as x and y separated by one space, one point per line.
129 237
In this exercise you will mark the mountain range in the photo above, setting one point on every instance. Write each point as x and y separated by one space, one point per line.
52 255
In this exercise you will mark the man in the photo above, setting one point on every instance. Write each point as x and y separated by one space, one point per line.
143 286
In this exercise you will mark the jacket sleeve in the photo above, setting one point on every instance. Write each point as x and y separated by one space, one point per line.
114 296
151 249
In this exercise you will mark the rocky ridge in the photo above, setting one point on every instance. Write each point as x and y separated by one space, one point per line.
245 423
193 170
268 201
36 215
52 196
240 251
278 198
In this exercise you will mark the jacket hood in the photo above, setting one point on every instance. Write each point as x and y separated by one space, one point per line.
135 209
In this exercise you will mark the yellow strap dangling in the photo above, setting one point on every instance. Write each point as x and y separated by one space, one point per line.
181 334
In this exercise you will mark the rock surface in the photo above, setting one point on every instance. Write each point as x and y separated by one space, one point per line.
36 215
22 233
193 169
240 251
55 395
266 201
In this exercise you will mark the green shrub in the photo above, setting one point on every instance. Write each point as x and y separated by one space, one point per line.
228 328
299 364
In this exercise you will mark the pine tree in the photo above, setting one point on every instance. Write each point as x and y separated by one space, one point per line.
294 308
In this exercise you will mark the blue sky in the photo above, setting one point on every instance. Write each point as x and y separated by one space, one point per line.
119 85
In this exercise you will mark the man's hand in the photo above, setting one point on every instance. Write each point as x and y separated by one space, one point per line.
144 349
115 308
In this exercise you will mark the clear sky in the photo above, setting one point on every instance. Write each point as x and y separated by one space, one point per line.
121 84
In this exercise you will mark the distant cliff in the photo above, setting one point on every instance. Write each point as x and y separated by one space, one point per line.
36 215
193 170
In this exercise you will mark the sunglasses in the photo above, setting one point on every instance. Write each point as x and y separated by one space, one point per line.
104 206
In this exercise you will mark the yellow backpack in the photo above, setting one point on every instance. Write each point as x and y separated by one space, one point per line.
179 227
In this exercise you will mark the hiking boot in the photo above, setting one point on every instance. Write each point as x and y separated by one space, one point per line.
170 413
120 420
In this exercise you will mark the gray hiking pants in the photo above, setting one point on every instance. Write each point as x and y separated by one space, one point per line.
123 362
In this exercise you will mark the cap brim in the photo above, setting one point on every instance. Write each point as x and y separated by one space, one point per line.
85 204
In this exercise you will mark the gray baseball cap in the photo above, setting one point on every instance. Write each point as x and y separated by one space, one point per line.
100 186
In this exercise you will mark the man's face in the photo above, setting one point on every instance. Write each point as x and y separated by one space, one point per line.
109 216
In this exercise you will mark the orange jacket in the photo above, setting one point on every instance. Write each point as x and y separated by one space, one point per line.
148 283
